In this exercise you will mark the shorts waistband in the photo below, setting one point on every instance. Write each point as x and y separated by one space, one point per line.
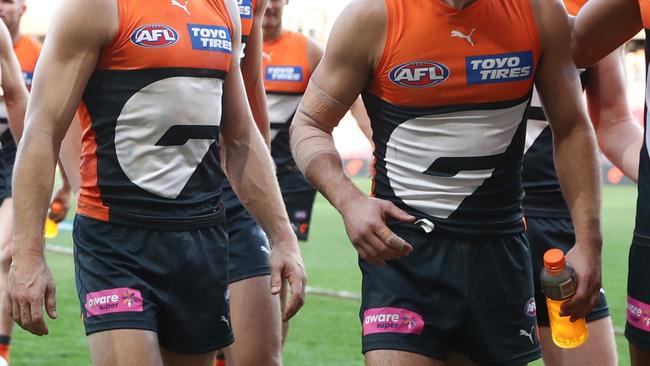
215 218
641 240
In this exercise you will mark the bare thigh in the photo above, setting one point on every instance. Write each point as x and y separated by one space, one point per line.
399 358
255 316
600 348
125 347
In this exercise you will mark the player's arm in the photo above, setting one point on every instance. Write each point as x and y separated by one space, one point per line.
13 86
353 50
358 111
251 174
70 155
251 69
574 149
620 136
601 27
67 61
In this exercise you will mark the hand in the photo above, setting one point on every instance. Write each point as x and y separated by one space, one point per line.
29 287
286 263
61 201
585 259
365 222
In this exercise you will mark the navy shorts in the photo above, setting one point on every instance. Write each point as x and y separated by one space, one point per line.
549 233
299 208
174 283
637 327
248 247
464 294
7 158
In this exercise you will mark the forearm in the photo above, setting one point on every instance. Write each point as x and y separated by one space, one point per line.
250 172
319 161
70 155
34 174
257 100
578 170
16 114
622 144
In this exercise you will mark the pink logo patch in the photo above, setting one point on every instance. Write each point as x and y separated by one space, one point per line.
392 320
117 300
638 314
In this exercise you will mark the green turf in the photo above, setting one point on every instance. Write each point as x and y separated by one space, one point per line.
327 331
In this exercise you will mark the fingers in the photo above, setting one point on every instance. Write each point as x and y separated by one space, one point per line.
297 283
50 301
391 240
37 326
581 304
398 214
276 279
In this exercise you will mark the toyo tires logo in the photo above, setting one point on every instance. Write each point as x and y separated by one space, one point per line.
419 74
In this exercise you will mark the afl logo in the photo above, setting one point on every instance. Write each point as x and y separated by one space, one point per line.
154 36
531 308
419 74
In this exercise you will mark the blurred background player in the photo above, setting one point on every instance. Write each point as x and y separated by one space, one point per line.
600 28
288 61
27 50
159 82
449 134
255 313
548 217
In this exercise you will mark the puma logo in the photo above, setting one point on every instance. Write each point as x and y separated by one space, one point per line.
523 332
464 36
182 6
225 320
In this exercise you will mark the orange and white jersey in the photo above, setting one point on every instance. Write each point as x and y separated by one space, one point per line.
447 105
287 70
246 12
642 230
151 115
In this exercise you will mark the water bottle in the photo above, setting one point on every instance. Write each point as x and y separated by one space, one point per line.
559 284
51 227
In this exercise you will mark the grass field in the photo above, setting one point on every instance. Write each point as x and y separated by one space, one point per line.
327 330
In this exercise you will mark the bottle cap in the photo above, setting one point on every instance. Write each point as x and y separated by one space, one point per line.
554 260
56 207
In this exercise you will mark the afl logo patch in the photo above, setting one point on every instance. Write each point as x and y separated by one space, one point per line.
154 36
531 308
419 74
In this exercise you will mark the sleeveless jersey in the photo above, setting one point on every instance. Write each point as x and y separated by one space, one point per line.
642 230
447 105
543 197
287 72
27 50
246 11
151 114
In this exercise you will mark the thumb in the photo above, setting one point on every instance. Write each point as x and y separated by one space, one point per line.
397 213
50 301
276 279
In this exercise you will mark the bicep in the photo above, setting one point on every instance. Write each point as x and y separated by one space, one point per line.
602 26
606 90
357 38
557 79
67 60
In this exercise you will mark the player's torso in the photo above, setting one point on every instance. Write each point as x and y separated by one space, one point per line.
543 197
447 108
27 50
642 230
151 114
286 71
